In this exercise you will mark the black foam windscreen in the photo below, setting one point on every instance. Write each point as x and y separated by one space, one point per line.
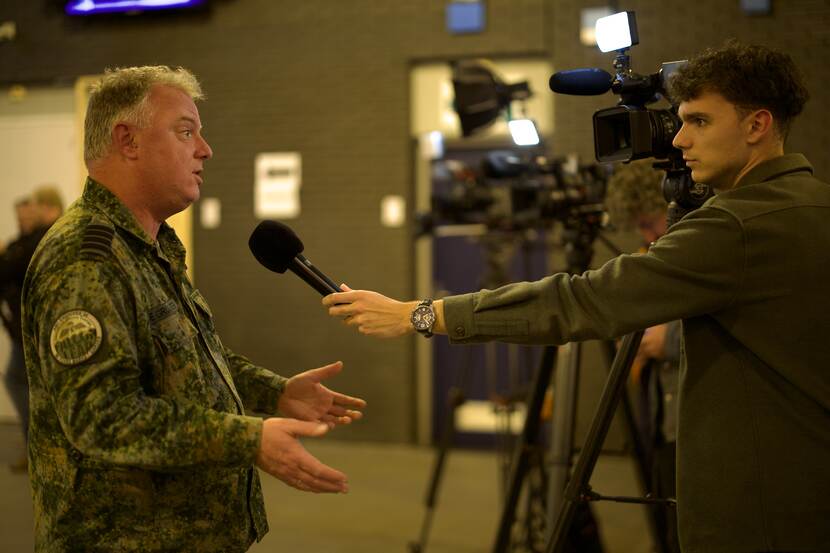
274 245
589 81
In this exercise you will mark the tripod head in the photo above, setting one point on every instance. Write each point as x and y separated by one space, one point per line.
680 191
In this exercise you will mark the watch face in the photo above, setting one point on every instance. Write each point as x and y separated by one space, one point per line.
423 317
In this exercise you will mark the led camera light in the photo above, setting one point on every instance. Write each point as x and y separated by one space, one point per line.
617 32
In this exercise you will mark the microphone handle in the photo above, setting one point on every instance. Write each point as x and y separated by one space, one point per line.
304 269
334 286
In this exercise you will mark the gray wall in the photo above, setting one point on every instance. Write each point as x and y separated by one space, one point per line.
329 78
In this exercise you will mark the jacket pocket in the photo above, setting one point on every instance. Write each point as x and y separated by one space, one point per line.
181 374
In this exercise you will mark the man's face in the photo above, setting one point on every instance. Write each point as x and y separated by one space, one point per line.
171 152
26 217
47 214
713 140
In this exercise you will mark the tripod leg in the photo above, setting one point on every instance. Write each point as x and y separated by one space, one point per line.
565 390
530 437
455 399
578 484
641 460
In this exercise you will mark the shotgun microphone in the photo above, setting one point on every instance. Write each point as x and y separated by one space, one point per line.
581 82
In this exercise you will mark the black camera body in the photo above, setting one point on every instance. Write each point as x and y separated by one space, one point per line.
630 130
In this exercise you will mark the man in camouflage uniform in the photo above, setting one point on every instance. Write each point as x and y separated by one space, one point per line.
139 437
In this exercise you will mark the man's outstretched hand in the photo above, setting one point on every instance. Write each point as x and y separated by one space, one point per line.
282 455
305 398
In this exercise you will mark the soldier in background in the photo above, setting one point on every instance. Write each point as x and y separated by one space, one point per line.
34 217
139 437
635 201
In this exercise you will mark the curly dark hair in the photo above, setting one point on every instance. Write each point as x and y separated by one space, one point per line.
750 77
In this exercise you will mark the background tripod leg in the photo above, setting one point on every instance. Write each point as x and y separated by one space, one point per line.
455 399
529 439
565 393
641 458
578 484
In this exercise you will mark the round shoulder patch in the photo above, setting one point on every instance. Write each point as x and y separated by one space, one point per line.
75 337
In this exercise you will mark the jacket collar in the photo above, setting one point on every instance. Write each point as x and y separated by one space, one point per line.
101 199
776 167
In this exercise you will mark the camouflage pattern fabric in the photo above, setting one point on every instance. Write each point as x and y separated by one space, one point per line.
139 439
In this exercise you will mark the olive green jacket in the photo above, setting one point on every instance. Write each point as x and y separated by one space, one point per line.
748 273
139 439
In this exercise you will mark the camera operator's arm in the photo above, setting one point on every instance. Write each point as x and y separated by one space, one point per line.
377 315
695 268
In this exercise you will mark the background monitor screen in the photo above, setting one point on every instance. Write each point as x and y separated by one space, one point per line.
87 7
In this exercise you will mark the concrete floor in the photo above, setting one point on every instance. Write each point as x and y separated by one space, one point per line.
384 509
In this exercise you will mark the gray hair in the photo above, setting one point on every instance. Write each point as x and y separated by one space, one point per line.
634 189
121 96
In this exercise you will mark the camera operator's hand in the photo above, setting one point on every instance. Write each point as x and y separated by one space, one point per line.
653 343
653 346
282 455
375 314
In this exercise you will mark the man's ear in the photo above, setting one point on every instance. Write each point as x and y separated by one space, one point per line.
760 126
124 140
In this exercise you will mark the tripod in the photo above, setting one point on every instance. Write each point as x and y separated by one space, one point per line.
580 232
683 196
496 257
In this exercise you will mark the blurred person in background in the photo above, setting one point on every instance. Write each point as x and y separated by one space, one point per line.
35 215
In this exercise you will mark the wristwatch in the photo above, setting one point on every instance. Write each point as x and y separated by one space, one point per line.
423 318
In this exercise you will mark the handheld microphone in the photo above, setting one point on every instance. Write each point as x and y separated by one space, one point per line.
581 82
277 248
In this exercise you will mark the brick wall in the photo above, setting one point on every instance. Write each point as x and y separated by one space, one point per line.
329 79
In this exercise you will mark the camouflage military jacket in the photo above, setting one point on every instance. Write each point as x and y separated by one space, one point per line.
139 439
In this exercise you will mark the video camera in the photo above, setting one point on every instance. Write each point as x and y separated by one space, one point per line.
628 130
509 192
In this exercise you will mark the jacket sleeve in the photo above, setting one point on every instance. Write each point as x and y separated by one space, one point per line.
259 388
82 323
696 268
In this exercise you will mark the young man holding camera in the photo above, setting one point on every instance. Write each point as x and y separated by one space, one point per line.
746 273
